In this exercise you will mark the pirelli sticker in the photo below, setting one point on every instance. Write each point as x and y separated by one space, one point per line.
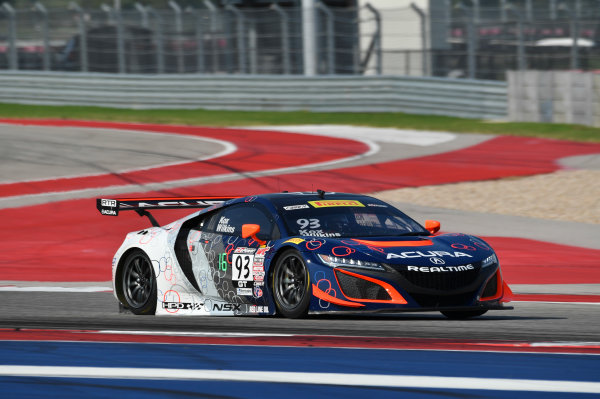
334 203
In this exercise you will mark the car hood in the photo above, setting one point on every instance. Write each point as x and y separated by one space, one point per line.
445 249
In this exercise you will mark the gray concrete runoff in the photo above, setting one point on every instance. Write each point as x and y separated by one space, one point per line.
43 152
495 225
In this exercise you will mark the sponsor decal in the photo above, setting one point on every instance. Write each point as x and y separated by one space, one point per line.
223 226
260 276
258 292
244 250
434 269
334 203
258 309
244 291
296 241
182 305
108 212
427 254
295 207
110 203
262 251
377 205
258 269
225 307
437 261
258 263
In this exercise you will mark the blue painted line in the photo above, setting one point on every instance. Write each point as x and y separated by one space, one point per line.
324 360
372 361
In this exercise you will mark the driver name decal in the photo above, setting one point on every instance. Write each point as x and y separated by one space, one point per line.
224 227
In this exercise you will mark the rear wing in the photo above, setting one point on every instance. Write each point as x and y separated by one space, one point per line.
112 207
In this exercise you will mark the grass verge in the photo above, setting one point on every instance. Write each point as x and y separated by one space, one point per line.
248 118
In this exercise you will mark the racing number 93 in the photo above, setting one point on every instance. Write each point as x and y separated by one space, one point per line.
241 267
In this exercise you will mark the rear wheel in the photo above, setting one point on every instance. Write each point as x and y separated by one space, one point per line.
463 314
291 285
139 283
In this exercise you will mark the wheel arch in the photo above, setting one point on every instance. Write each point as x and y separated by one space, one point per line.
118 284
274 260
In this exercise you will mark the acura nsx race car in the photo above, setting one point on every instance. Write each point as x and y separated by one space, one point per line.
295 253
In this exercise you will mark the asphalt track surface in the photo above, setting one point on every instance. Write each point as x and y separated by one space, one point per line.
529 321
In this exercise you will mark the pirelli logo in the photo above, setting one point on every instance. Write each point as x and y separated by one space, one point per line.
334 203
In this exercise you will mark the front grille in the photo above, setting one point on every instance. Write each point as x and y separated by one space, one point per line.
491 287
354 287
436 301
443 281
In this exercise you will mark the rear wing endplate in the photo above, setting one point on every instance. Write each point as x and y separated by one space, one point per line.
112 207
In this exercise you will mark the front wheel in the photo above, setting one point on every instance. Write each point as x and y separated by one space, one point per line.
139 283
463 314
291 285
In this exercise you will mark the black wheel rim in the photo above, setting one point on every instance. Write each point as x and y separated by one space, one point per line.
138 279
290 282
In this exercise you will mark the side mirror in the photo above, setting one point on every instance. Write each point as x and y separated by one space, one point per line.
251 230
433 226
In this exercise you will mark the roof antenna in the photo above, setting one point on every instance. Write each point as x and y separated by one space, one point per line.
321 193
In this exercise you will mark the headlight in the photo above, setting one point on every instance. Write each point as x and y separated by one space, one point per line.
335 261
490 260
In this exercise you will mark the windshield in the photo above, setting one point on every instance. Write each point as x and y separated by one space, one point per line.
348 219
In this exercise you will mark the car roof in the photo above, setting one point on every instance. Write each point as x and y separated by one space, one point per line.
309 196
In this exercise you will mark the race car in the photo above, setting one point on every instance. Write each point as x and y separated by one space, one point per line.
298 253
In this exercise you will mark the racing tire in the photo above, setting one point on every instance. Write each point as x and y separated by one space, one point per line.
463 314
291 285
139 284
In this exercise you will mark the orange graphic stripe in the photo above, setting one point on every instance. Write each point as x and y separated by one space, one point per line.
395 295
387 244
336 301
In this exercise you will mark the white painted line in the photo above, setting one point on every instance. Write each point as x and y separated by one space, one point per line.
193 334
373 380
559 303
33 199
228 149
563 344
13 288
421 138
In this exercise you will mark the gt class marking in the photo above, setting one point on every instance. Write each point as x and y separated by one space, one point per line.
428 254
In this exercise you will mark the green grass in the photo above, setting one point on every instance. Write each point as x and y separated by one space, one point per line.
246 118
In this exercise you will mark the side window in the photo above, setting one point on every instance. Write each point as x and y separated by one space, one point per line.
229 221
